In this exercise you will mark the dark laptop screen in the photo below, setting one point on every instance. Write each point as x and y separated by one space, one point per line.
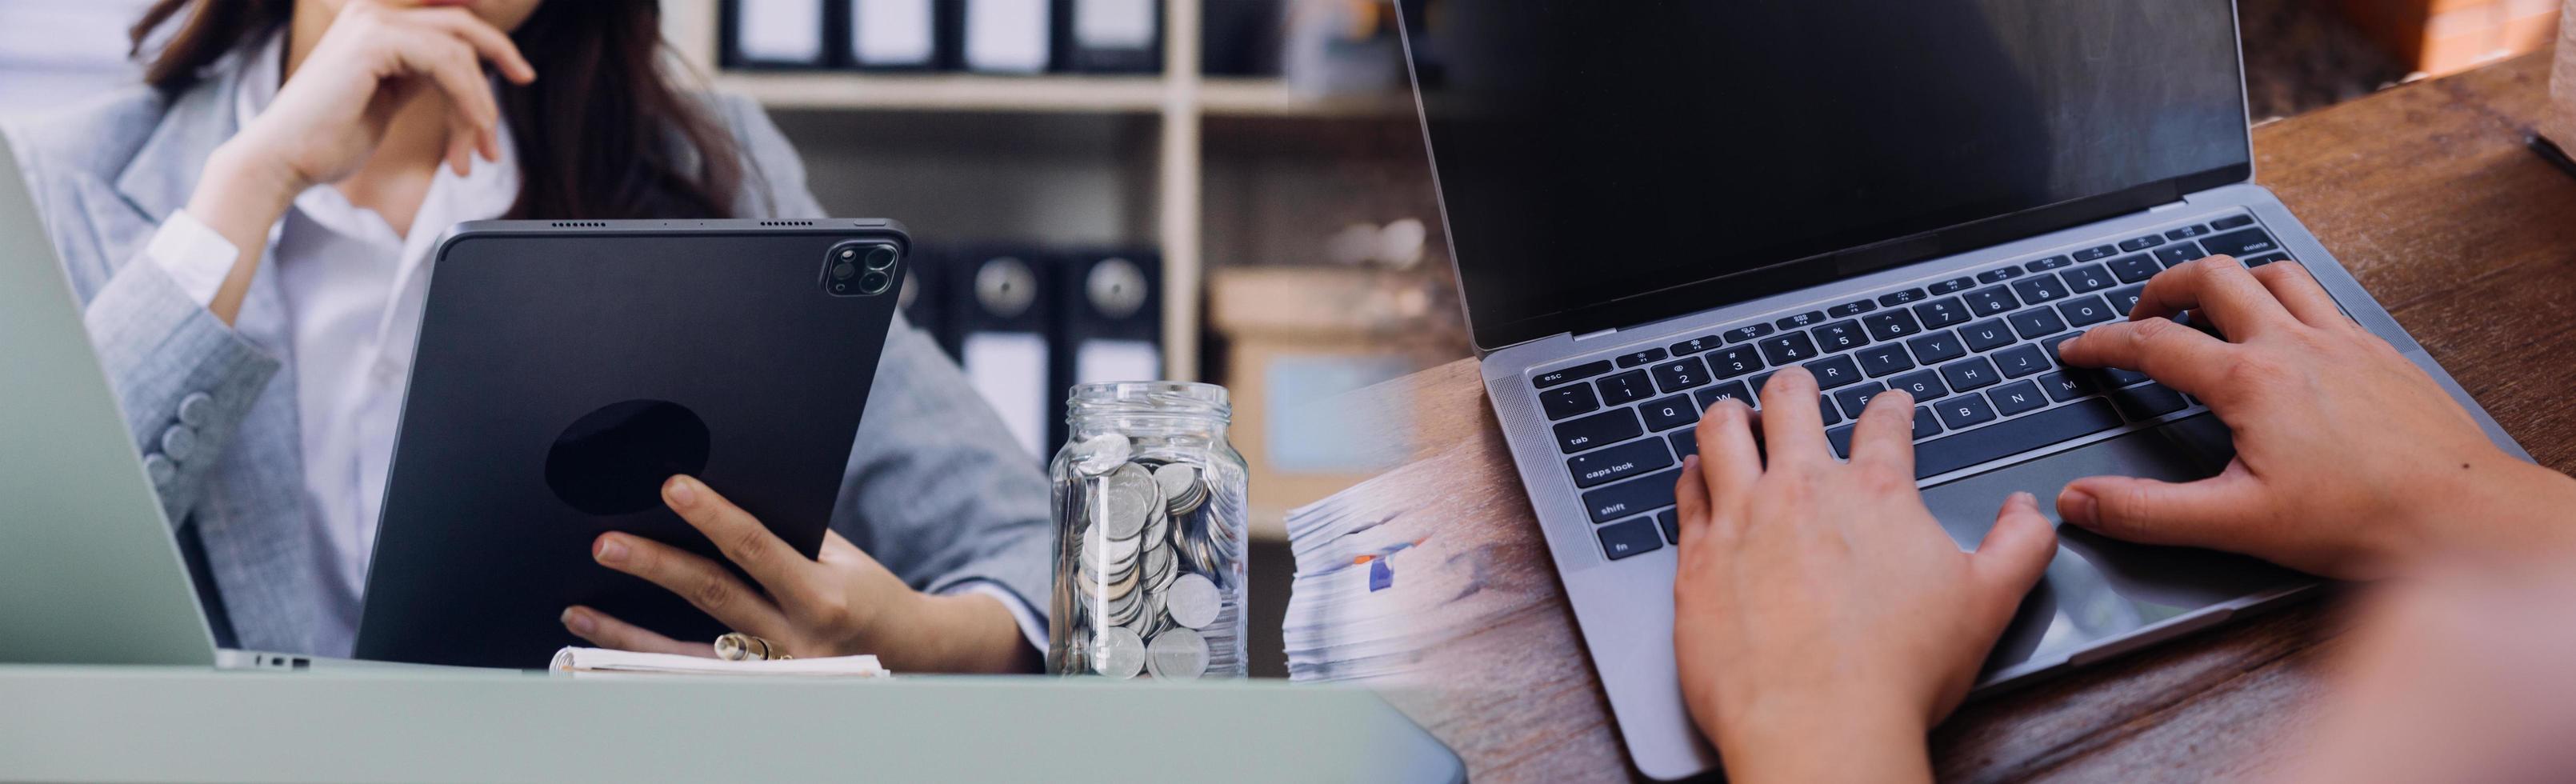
1608 162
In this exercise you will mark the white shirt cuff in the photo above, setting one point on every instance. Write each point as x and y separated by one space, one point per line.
1031 625
193 254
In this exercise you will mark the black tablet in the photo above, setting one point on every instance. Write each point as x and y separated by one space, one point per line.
566 368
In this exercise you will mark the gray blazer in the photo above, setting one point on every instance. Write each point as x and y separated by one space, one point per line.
936 488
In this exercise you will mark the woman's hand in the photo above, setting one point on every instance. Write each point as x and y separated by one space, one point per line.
841 602
327 120
2351 462
1824 621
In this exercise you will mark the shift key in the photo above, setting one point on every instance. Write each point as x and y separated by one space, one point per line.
1619 462
1633 497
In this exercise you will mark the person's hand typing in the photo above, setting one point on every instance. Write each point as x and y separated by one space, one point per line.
2350 460
1823 619
838 603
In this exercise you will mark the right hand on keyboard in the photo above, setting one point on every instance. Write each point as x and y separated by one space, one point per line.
2351 462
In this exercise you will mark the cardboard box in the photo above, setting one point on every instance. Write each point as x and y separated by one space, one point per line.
2560 125
2439 37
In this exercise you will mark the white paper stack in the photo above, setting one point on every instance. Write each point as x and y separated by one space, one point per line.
595 662
1366 604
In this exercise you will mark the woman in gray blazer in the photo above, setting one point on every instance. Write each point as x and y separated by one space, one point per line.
250 230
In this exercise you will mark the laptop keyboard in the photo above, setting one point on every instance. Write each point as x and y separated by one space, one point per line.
1978 352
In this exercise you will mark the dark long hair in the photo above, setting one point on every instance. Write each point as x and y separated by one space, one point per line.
601 134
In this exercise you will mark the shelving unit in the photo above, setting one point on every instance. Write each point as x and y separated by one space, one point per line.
1179 96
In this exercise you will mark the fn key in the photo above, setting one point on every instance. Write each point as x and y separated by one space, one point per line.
1630 538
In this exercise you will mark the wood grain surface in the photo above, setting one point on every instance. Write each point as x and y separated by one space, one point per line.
2426 192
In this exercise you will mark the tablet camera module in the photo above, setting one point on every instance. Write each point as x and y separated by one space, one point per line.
860 269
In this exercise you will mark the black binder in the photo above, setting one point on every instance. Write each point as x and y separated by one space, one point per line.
1109 36
780 34
1109 321
901 35
1000 305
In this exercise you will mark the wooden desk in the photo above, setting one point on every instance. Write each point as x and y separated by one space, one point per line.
2426 192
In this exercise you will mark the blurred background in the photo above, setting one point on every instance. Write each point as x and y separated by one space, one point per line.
1232 191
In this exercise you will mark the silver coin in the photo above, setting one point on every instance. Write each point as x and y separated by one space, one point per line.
1158 528
1193 601
1117 652
1178 654
1176 480
1101 454
1127 499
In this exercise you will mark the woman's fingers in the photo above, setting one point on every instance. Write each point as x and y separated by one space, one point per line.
1728 459
1793 427
2298 290
2181 357
606 631
2014 555
1883 439
489 42
788 574
2220 288
706 585
2216 512
1690 499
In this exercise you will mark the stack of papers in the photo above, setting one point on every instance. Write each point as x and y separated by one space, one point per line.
1365 604
591 662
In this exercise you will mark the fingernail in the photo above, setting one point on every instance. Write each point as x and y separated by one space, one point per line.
2023 499
610 550
579 622
684 491
2079 507
1690 462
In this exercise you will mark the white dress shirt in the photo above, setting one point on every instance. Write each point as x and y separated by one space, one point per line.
353 290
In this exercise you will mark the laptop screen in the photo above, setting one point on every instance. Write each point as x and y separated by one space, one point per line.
1609 162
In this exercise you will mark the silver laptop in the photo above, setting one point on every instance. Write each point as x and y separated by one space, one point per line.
1655 205
90 572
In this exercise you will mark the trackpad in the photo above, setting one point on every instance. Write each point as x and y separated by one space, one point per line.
2099 589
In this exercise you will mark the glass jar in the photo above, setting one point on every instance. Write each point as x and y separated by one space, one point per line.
1149 534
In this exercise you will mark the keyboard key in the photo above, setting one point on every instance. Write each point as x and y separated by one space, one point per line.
2016 397
2063 387
1925 386
2091 277
1825 408
1640 357
1635 496
1952 286
1747 332
1685 443
1684 374
1628 387
1888 358
1941 313
1892 325
1849 309
2022 360
2232 221
1958 412
1853 399
1635 537
1757 382
1800 321
1667 413
1564 402
2013 436
2086 311
1987 302
2049 346
2045 288
2034 323
1788 349
1619 462
1840 335
2188 251
1840 437
1582 371
2133 269
2125 301
2148 401
2046 264
1834 371
2266 259
1998 275
1987 335
1734 362
1671 521
1970 373
2186 232
1732 389
2141 243
2095 254
1696 345
1598 430
1926 424
1937 347
1895 298
2240 244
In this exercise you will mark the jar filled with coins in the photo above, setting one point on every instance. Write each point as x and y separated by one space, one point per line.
1149 535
